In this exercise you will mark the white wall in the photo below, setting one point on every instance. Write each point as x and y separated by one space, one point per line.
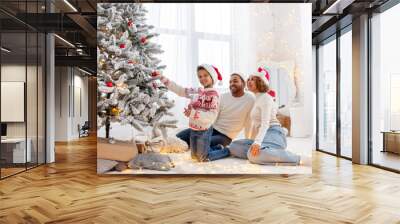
16 73
79 117
33 126
70 83
61 103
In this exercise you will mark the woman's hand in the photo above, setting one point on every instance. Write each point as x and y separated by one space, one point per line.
255 149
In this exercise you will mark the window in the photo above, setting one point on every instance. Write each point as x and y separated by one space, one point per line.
394 101
385 88
333 137
22 75
327 97
219 55
218 15
187 27
346 94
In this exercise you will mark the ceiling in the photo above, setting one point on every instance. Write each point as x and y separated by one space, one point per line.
75 22
329 16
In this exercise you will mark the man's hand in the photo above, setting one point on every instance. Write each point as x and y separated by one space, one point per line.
255 149
187 111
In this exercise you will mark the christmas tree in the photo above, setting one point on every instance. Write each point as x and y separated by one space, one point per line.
127 91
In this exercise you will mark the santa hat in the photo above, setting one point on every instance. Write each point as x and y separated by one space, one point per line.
213 71
263 75
272 93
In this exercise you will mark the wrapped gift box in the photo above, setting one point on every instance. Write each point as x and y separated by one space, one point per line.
119 150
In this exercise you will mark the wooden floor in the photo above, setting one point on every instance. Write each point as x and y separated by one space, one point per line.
387 159
10 171
70 191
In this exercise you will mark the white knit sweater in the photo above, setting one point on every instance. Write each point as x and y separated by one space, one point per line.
262 116
204 104
234 114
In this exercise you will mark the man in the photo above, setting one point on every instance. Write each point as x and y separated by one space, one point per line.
233 114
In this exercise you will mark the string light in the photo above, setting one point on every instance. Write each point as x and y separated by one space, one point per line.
185 164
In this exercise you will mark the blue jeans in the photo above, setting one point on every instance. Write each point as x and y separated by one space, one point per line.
200 143
217 138
272 149
217 152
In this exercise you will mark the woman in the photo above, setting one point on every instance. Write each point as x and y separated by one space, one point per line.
269 144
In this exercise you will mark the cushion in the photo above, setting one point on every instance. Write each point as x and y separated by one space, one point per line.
104 165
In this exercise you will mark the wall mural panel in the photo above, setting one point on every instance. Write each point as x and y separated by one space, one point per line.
222 94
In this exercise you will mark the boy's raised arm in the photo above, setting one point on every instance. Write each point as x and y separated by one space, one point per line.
179 90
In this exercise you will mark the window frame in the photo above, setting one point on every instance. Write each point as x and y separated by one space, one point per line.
381 9
334 37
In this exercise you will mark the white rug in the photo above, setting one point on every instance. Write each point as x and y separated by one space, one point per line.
185 165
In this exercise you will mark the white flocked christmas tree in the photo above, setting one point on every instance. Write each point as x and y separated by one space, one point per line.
127 91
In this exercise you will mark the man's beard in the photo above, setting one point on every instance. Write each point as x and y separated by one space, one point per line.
234 89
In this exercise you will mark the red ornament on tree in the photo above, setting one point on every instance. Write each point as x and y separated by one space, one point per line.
155 73
130 23
143 40
122 46
109 84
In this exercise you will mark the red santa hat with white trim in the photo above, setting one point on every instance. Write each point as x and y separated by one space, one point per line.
213 71
272 93
263 74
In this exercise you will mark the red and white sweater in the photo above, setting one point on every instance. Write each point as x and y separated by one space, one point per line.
204 104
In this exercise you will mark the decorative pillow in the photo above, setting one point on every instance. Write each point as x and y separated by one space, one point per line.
174 144
151 161
104 165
